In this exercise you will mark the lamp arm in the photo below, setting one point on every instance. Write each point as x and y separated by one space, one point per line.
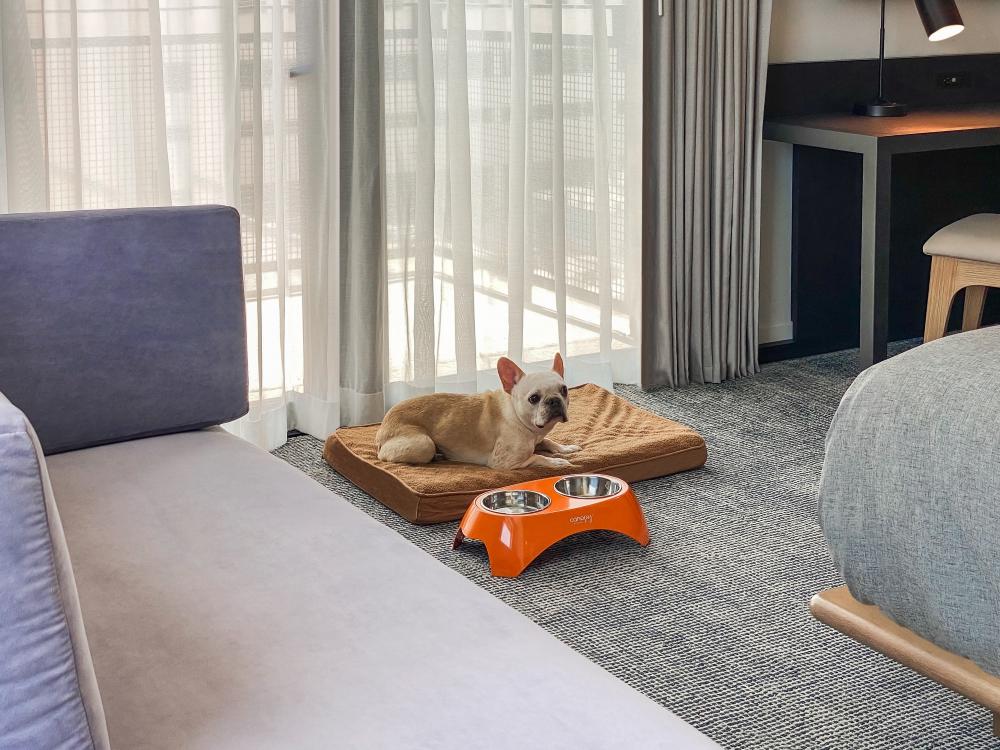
881 53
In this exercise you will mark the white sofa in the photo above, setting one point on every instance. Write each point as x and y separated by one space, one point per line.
232 602
226 600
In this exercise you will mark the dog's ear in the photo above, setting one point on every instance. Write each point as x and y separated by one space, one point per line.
557 365
509 373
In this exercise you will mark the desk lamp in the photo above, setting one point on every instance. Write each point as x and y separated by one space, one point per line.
941 21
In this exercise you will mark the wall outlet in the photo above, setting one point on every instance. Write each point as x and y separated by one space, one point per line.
954 80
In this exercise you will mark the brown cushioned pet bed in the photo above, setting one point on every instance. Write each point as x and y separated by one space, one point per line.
615 436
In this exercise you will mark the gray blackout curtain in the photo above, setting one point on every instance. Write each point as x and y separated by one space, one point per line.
363 351
706 69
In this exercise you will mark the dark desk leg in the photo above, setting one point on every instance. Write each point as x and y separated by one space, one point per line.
876 186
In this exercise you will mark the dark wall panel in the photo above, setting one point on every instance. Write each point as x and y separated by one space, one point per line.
812 87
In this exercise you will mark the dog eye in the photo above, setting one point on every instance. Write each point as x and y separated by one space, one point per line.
564 391
534 398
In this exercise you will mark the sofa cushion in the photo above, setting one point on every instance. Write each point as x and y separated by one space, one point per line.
48 691
120 324
232 602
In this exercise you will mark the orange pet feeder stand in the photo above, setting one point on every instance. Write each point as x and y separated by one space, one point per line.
517 523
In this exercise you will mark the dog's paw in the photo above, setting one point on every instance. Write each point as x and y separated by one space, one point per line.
557 463
567 449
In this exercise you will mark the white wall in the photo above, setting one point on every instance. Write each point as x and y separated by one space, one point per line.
807 30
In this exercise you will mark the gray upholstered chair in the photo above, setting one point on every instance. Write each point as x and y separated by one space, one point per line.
965 255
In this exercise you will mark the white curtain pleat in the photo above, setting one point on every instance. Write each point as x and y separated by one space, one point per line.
23 186
602 167
558 167
515 117
159 183
423 323
517 180
458 207
157 102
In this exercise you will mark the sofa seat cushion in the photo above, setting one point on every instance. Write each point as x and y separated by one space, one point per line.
616 438
232 602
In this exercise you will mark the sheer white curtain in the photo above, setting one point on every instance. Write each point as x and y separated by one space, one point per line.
513 147
154 102
511 163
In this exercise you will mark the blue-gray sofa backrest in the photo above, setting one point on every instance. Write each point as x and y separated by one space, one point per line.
122 324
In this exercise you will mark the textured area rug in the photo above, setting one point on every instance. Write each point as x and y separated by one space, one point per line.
711 620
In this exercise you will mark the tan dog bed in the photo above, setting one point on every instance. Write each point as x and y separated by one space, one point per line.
616 438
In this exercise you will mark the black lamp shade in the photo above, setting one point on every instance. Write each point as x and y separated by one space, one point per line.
941 18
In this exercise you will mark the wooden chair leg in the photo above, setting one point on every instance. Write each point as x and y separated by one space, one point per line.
996 724
940 293
972 315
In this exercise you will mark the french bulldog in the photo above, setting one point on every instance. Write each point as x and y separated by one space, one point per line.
502 429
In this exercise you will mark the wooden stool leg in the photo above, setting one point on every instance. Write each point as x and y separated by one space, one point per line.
972 315
996 724
939 296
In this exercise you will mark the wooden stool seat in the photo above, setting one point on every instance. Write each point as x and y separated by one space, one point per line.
965 255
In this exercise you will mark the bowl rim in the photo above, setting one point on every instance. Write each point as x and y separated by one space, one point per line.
614 481
481 502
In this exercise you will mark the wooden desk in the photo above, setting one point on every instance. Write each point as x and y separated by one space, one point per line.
878 139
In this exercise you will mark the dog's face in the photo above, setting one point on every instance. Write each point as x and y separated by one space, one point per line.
540 398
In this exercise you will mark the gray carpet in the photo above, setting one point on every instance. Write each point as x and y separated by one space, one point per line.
711 619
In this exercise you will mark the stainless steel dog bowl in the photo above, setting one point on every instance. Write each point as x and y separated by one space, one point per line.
587 486
515 502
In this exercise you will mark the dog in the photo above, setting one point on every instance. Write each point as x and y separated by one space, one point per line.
501 429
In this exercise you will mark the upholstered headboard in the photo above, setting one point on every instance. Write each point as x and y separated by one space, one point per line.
122 324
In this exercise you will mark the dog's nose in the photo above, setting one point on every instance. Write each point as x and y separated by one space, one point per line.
555 405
